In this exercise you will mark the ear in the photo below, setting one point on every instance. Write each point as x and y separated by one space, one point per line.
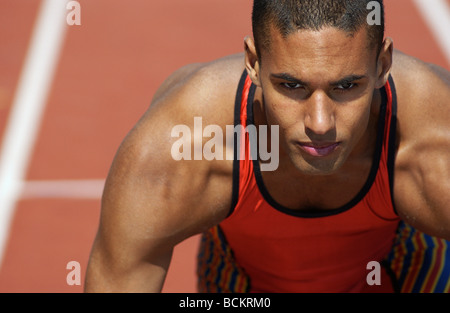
384 62
251 61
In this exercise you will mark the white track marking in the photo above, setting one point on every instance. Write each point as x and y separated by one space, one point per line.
437 15
28 105
66 189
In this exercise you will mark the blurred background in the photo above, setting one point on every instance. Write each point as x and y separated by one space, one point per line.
70 93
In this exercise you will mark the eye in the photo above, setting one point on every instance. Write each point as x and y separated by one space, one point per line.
291 86
346 86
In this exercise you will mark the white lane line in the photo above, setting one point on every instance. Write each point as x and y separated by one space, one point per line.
437 15
63 189
28 105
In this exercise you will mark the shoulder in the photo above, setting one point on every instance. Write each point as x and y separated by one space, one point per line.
421 86
187 195
422 166
423 91
197 86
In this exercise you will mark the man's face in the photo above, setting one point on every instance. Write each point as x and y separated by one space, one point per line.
318 87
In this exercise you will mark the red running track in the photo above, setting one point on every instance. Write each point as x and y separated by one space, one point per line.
108 69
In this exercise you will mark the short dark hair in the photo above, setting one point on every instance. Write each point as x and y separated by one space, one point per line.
290 15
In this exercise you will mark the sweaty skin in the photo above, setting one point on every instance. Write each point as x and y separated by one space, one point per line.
325 98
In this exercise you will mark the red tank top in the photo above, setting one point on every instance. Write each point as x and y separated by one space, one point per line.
283 250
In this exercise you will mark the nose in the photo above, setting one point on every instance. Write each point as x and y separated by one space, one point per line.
320 115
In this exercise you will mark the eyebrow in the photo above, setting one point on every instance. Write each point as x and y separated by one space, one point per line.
345 80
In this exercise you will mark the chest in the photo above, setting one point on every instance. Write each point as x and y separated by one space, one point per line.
317 193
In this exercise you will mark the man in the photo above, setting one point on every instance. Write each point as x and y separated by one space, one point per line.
359 138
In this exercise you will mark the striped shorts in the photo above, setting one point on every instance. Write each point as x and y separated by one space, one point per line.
420 263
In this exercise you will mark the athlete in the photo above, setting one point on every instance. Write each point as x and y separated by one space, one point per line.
358 169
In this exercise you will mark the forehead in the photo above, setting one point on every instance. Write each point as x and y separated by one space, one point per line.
329 53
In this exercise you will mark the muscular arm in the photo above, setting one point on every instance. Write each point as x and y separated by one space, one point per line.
422 170
152 202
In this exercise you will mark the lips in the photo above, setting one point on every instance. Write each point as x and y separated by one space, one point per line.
318 149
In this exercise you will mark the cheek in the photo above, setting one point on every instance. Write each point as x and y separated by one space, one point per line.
353 121
280 110
287 116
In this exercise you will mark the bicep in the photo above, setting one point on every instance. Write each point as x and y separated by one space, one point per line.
422 190
144 215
